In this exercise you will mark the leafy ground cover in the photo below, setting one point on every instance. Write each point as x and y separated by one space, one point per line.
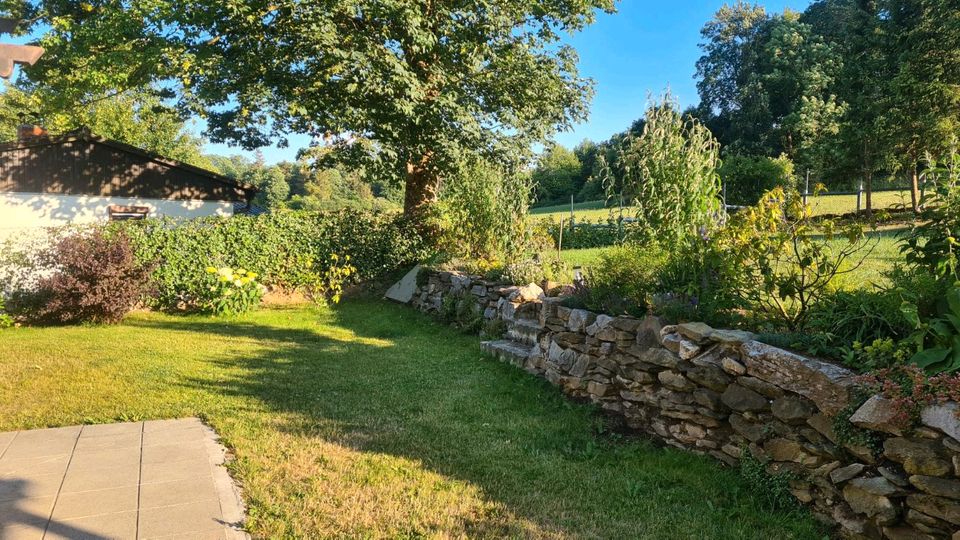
349 424
821 205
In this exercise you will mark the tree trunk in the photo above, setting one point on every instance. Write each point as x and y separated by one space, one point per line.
868 189
422 189
914 187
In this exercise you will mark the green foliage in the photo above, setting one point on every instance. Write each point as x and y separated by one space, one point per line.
229 292
137 117
482 213
773 489
698 282
623 280
670 175
6 320
406 90
932 242
784 262
287 249
859 317
849 433
747 178
937 339
463 311
559 174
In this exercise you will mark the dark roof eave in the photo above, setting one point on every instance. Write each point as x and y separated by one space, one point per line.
84 135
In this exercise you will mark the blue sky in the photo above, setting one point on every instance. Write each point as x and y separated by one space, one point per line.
646 47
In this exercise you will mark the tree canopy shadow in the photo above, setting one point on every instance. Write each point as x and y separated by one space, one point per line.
388 380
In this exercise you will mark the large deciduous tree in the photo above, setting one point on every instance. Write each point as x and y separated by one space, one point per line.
409 88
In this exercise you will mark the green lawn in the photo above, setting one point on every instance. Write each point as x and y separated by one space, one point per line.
821 205
371 421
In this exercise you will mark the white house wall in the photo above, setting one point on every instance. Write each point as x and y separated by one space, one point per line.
24 211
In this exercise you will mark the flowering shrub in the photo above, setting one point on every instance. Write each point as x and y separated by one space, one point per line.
230 292
328 284
911 390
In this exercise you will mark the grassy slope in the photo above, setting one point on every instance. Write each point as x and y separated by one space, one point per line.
370 421
824 204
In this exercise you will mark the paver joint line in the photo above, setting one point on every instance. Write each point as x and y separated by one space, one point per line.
97 494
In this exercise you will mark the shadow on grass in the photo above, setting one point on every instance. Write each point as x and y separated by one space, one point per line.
379 378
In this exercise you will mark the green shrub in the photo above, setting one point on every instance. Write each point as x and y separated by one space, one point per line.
932 242
746 178
6 321
772 489
482 212
623 280
287 249
230 291
860 316
785 263
697 283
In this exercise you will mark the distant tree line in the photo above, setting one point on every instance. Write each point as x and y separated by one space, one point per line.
854 91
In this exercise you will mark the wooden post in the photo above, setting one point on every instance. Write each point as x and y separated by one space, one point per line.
806 188
859 195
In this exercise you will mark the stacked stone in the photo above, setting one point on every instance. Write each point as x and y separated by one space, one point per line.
722 393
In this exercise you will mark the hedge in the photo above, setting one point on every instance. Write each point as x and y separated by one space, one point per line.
282 247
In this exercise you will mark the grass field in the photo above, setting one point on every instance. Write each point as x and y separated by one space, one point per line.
879 256
821 205
371 421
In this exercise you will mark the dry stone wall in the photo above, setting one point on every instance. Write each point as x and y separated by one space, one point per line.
722 393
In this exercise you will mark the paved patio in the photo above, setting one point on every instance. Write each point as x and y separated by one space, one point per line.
160 479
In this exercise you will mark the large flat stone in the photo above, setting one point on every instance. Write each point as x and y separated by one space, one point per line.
403 290
944 418
825 384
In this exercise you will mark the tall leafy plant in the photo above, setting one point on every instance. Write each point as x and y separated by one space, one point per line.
670 175
483 212
783 262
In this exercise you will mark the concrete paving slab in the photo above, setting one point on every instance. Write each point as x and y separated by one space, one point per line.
134 480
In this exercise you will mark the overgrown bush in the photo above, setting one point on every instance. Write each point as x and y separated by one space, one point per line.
482 213
94 276
287 249
785 261
746 178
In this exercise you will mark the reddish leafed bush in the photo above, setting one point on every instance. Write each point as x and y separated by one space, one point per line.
96 278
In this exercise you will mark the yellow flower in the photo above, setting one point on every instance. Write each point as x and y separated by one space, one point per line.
225 271
244 280
211 270
223 279
347 258
333 257
241 271
252 275
238 283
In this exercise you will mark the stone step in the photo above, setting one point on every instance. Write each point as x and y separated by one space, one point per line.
524 331
508 351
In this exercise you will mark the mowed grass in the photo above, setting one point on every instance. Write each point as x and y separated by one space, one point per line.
370 421
821 205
